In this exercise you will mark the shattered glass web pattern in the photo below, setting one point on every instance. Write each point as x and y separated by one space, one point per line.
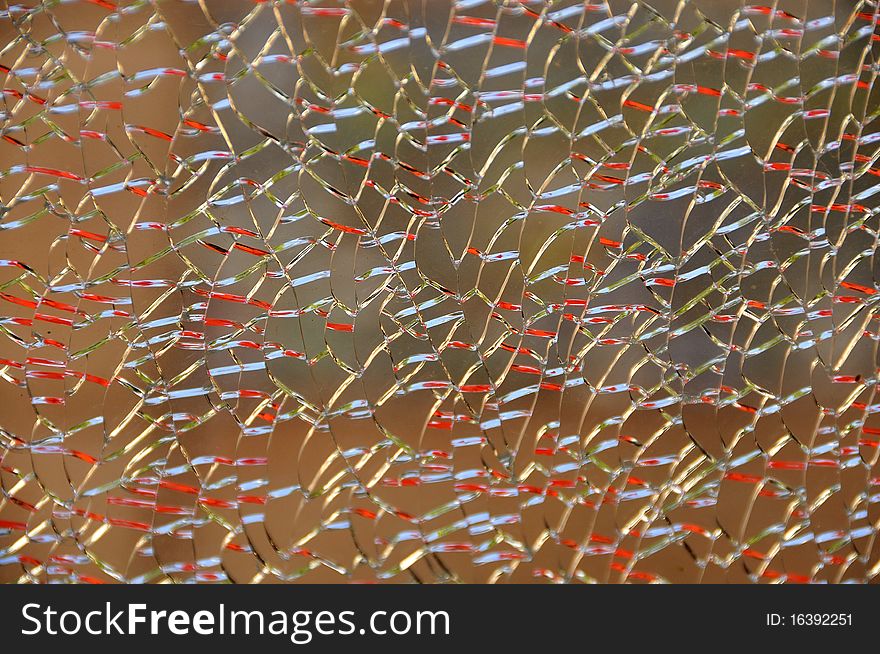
429 291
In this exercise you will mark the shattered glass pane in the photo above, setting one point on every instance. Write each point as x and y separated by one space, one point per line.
439 291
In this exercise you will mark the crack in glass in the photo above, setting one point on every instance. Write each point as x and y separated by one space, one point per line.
430 291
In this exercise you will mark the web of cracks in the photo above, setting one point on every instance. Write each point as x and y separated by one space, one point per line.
439 291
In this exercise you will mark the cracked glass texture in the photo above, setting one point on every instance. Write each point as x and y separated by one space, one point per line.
430 291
